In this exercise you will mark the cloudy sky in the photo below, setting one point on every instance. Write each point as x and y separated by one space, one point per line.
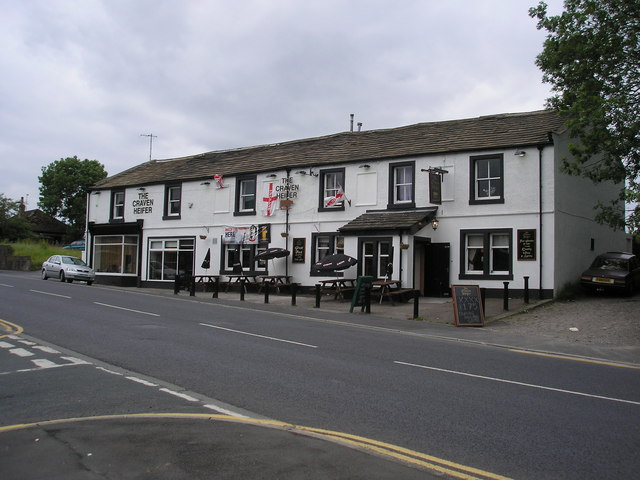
88 77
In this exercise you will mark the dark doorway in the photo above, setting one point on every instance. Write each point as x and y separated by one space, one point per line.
436 270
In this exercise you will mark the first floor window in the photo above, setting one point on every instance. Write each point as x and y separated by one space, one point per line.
402 185
117 254
117 209
171 256
246 196
487 179
173 198
486 254
332 189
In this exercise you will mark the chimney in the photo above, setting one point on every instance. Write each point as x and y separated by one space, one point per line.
23 207
359 126
351 129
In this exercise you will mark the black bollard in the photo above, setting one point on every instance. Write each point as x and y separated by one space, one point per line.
526 289
483 297
294 291
367 299
192 286
242 289
176 284
317 295
266 292
416 303
216 287
505 297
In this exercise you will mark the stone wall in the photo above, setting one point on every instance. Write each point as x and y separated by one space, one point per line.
8 261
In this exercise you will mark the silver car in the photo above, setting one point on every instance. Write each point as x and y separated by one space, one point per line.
66 267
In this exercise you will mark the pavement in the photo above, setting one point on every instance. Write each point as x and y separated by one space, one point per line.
198 446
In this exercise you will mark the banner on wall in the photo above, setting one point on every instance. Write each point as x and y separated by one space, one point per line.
247 234
269 199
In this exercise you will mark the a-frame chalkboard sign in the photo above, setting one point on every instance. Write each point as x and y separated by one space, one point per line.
362 283
467 306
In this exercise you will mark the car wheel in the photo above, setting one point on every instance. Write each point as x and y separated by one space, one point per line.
44 274
69 280
62 276
90 283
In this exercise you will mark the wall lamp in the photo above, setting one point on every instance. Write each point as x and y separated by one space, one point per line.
365 166
435 223
310 172
97 192
520 153
141 189
205 183
272 175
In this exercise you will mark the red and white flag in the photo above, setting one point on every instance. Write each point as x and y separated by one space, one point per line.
218 181
270 198
336 199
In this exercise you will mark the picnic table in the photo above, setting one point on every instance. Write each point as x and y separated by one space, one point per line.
204 280
388 289
247 278
337 286
274 281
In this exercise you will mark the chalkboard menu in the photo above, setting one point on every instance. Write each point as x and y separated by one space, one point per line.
527 244
299 246
467 306
362 283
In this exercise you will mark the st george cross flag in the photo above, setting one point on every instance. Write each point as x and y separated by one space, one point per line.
270 198
334 200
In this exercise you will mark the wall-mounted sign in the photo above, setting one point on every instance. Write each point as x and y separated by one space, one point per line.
527 244
143 204
435 188
299 250
287 189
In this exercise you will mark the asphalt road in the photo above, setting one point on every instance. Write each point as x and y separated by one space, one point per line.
499 410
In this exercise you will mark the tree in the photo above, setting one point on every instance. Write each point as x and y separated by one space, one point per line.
591 57
63 189
13 226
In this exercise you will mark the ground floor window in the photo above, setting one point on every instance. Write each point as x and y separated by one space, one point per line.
116 254
376 257
168 256
238 258
486 254
324 244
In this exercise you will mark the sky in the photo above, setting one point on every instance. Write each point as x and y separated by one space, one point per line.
90 77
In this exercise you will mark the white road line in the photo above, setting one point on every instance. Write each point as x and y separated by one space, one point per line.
47 293
522 384
6 345
178 394
21 352
76 361
45 349
27 342
260 336
127 309
5 285
224 411
44 363
109 371
140 380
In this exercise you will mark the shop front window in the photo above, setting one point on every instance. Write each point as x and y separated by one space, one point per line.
116 254
168 257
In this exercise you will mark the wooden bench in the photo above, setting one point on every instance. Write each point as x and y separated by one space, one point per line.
393 293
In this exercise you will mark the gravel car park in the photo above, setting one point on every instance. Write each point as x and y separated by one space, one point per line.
67 268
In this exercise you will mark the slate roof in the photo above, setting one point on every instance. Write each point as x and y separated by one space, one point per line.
410 220
488 132
40 222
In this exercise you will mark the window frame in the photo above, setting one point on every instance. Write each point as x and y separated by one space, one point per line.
168 188
392 198
488 248
240 180
124 242
251 249
474 199
322 189
333 246
113 217
376 254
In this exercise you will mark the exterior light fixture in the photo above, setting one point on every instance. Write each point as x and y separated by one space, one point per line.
205 183
301 172
435 223
272 175
96 192
141 189
365 166
520 153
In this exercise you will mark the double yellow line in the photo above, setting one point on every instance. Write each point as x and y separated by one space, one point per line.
9 328
393 452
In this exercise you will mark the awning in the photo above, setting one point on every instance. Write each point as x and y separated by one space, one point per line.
406 221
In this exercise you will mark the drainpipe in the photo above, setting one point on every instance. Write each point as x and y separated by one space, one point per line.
540 241
286 225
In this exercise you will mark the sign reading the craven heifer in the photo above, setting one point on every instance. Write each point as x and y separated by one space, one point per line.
143 204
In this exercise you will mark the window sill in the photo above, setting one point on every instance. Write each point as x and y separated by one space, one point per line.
244 214
488 201
401 206
171 217
482 276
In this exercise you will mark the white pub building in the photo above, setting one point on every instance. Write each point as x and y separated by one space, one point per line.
477 201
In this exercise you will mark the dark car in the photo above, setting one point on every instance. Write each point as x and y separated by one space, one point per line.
75 245
613 271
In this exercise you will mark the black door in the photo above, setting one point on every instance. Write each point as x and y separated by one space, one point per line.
436 270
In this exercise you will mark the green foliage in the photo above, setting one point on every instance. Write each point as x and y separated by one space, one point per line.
590 57
39 251
13 226
63 189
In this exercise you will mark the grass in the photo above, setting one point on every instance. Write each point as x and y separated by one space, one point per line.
39 251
